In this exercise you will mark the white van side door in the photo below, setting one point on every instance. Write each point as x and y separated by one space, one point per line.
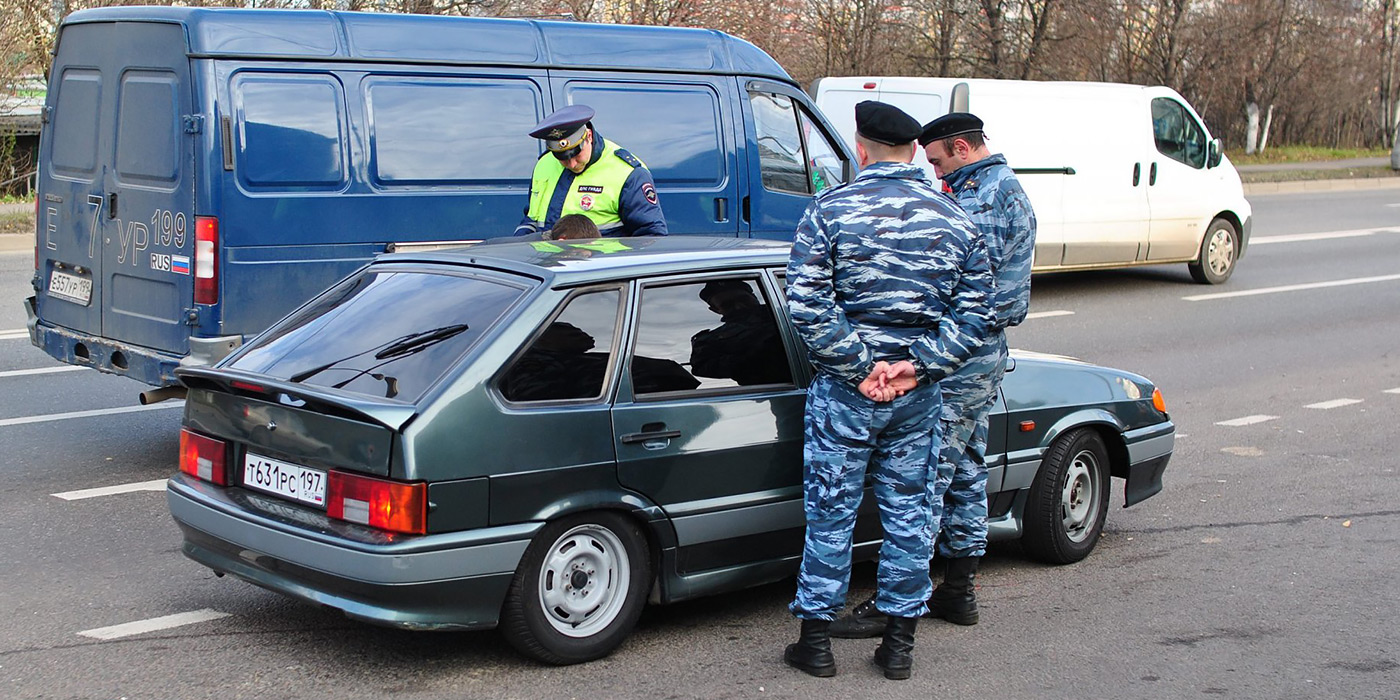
1179 185
1105 202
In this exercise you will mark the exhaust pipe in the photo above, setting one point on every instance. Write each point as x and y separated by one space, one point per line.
164 393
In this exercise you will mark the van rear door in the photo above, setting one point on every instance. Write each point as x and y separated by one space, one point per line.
119 190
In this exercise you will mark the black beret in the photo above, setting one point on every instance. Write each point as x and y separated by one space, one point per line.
718 287
885 123
950 124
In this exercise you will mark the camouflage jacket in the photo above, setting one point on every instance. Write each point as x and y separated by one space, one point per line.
886 267
992 197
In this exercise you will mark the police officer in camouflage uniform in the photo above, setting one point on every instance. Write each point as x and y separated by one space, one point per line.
583 173
888 287
988 190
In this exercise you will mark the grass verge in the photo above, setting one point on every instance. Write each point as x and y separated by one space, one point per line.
1333 174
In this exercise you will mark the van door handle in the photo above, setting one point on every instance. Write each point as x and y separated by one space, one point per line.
721 209
745 212
1137 173
1152 175
111 205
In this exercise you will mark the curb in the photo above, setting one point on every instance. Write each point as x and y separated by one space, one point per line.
16 242
1374 183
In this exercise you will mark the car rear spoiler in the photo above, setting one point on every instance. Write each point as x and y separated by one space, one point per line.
393 415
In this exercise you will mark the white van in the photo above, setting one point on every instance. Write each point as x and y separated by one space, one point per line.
1118 174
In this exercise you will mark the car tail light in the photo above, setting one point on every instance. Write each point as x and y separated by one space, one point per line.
206 260
1158 402
202 457
387 505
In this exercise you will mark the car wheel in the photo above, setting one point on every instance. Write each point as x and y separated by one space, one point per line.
579 589
1220 247
1068 500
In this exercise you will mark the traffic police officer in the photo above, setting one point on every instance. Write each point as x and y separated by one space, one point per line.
583 173
991 195
862 252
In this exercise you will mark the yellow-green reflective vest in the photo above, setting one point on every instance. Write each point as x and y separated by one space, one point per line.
594 193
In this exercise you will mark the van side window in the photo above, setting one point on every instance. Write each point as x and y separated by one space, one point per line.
570 357
431 131
714 334
674 129
291 132
75 122
793 154
780 157
1178 135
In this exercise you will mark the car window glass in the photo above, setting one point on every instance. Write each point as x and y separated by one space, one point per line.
827 165
780 158
1177 134
293 113
569 359
382 333
707 335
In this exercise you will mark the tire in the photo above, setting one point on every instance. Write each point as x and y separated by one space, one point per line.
1220 248
579 589
1068 500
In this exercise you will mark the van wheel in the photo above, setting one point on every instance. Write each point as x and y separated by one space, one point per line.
1068 501
1220 247
579 589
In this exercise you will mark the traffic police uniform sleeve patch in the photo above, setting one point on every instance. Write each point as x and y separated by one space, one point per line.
649 192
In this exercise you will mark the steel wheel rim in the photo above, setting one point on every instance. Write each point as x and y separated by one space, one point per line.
1221 253
1080 499
584 580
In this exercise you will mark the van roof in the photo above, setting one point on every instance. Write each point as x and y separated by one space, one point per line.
570 263
317 35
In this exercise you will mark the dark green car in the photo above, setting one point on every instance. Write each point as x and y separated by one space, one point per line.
546 436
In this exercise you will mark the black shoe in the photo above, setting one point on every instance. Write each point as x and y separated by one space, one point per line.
896 651
955 600
864 622
812 652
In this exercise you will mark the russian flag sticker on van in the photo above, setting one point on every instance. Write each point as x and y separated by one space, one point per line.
180 264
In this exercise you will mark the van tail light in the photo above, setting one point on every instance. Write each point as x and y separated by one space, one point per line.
388 505
1158 402
206 260
202 457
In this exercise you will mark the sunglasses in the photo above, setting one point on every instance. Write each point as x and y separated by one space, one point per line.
565 156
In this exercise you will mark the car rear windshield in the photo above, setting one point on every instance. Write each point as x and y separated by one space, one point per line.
382 333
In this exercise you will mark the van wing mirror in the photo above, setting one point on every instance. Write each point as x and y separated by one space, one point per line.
1214 153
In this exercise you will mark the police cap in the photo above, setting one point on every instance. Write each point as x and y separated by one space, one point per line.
950 124
885 123
564 129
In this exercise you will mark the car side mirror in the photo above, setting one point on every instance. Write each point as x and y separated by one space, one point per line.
1214 153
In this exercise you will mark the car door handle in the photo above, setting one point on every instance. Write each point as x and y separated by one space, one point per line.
631 438
1152 175
721 210
1137 173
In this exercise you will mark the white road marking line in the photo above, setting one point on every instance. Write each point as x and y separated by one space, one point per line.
14 335
1247 420
1334 403
157 485
40 370
1396 390
24 420
1292 288
1049 314
1320 236
156 623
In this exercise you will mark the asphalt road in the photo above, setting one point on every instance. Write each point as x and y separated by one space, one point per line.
1265 569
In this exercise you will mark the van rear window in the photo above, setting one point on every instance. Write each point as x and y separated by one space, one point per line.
382 333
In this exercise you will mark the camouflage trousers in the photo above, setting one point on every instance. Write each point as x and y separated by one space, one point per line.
968 395
847 434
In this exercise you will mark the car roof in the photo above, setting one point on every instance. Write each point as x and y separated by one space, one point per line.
314 35
571 263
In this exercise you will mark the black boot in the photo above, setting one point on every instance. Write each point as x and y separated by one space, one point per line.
896 652
812 652
955 600
864 622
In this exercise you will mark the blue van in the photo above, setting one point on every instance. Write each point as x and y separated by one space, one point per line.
205 171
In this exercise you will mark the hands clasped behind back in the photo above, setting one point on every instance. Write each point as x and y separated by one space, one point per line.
889 380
